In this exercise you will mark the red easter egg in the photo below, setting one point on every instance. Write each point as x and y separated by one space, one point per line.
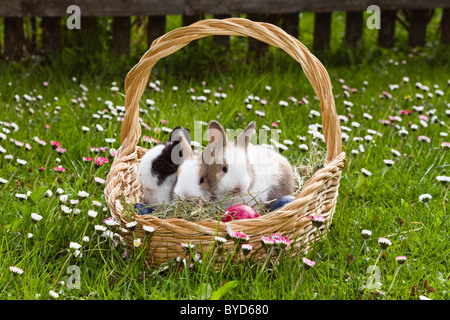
239 211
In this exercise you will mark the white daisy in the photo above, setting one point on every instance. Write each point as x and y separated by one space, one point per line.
148 229
92 214
220 240
131 225
16 270
425 197
53 294
366 172
74 246
384 243
366 234
36 217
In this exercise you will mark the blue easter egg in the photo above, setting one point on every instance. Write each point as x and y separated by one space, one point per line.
143 209
281 201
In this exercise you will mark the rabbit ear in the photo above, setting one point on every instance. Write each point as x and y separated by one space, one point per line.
186 150
217 134
217 142
177 131
243 139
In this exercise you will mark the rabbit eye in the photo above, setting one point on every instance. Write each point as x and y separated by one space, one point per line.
157 165
202 180
224 169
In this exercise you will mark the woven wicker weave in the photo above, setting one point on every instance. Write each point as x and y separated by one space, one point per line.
317 197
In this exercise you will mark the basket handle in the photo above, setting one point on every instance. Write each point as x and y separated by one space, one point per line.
137 79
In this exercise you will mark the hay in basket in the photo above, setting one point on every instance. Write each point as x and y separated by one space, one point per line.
317 196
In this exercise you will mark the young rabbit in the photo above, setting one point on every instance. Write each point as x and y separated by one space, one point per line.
191 178
241 172
158 167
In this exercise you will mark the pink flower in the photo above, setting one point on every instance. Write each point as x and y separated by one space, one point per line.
59 169
405 112
163 121
423 117
87 159
400 259
45 83
268 241
60 150
445 145
41 168
103 159
99 180
55 144
47 127
317 221
241 236
283 242
424 138
274 124
100 161
308 263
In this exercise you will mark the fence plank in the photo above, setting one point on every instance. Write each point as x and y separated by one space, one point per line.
156 27
290 23
255 46
322 30
386 34
51 35
222 41
89 8
445 26
418 27
121 35
88 32
353 29
14 38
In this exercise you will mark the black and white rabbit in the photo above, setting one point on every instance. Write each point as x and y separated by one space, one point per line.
158 168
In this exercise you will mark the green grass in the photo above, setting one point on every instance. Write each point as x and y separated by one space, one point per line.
387 202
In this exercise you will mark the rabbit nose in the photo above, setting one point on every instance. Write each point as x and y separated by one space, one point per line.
185 194
238 187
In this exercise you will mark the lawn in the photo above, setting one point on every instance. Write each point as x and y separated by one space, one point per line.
60 124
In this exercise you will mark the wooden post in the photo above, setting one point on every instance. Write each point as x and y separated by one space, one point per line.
445 26
386 34
121 36
322 30
222 41
51 35
14 38
353 29
188 20
290 23
418 27
88 32
156 27
255 46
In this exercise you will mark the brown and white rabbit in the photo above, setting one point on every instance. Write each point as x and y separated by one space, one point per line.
158 168
191 178
241 172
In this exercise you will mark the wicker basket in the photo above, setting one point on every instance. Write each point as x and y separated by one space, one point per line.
317 197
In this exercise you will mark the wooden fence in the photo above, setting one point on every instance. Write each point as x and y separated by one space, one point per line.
284 13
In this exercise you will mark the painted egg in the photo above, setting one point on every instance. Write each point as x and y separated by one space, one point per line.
143 209
281 201
239 211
